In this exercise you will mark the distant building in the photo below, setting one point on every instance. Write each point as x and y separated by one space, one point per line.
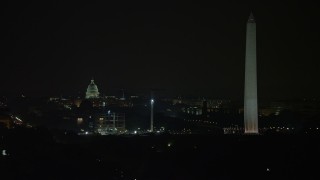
201 106
92 91
6 121
100 122
77 102
110 123
9 121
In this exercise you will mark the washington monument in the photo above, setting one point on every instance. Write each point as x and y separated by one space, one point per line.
250 84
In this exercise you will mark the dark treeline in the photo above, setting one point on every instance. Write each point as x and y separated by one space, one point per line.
42 154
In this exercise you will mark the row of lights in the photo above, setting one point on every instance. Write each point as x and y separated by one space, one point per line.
314 128
284 128
184 131
209 122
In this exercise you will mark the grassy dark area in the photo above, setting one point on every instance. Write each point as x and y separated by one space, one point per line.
38 154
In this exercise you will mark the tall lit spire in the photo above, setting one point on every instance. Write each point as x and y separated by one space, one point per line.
250 87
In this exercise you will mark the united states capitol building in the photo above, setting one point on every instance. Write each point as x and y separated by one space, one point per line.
92 91
94 115
93 95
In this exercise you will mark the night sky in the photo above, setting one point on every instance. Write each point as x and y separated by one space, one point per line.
185 47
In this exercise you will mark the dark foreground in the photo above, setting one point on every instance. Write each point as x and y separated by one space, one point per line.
40 155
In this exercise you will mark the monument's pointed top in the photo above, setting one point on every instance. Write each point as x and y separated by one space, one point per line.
251 17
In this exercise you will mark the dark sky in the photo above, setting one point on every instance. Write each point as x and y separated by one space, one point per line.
185 47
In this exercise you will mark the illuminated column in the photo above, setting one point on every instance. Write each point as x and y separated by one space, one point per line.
151 116
250 87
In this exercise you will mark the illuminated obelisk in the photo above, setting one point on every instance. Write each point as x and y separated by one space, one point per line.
250 86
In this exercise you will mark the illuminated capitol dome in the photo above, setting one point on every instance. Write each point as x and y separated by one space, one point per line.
92 90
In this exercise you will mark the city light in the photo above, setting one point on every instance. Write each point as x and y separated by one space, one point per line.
4 153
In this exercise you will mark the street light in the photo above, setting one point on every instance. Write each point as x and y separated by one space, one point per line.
151 115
